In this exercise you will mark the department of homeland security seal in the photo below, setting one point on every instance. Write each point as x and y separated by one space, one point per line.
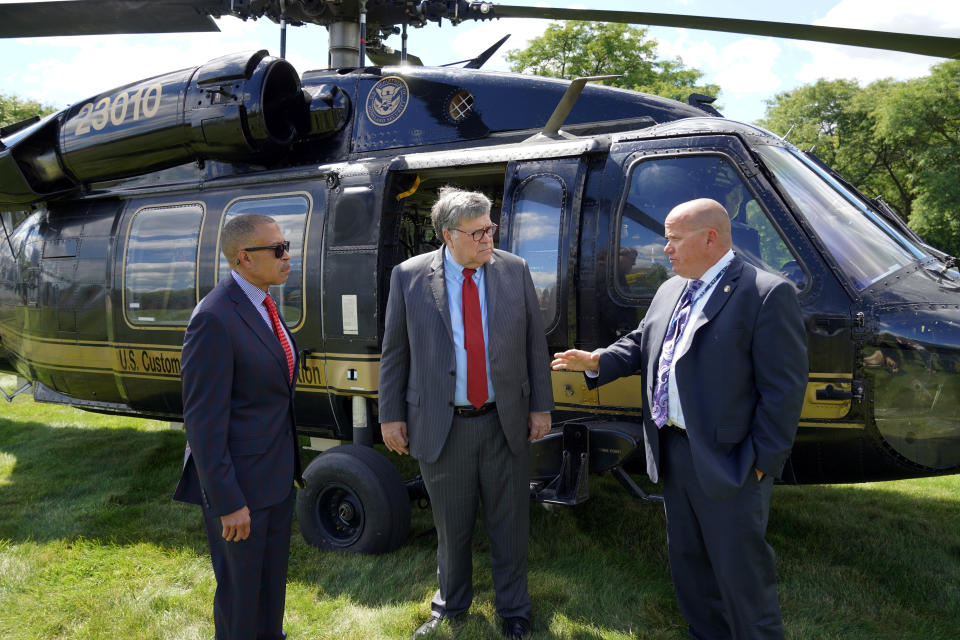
387 100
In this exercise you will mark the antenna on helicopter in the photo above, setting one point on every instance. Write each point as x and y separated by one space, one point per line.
551 130
363 33
283 29
476 63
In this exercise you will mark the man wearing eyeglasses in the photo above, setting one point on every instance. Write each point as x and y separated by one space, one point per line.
238 369
464 387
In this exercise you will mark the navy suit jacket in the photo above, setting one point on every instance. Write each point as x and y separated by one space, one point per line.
237 407
741 382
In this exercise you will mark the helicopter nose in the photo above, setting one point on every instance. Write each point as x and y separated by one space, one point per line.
915 369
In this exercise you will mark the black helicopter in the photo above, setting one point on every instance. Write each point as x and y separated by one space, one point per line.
111 212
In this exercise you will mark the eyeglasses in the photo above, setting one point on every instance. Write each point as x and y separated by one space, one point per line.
480 233
278 249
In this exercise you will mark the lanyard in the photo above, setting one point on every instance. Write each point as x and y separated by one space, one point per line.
696 298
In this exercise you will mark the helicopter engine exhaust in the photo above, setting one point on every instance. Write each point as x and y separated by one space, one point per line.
238 108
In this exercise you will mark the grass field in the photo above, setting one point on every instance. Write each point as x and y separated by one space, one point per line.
92 546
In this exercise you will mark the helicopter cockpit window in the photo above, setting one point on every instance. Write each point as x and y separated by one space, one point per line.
657 186
865 251
290 213
160 265
535 236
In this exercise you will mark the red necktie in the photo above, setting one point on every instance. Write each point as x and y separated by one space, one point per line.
473 342
281 334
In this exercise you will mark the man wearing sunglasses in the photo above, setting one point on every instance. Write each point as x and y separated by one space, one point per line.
239 368
464 386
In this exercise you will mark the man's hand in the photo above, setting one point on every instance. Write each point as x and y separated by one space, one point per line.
539 425
575 360
395 436
236 525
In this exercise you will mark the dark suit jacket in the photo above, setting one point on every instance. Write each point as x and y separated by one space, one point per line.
418 363
741 382
237 407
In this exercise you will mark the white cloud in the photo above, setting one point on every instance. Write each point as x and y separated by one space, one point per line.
64 70
744 66
927 17
543 279
534 225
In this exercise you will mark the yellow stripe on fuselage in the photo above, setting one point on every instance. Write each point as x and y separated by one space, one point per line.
356 374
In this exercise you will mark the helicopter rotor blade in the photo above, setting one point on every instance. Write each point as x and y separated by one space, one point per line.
93 17
941 47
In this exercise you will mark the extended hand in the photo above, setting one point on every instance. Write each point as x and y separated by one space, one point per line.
236 525
575 360
539 425
395 436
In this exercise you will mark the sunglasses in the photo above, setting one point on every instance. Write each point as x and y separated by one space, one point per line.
278 249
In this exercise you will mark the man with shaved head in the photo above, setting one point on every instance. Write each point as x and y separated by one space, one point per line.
723 358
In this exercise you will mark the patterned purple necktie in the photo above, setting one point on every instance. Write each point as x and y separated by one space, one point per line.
660 409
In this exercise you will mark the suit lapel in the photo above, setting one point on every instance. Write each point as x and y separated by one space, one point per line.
721 293
438 286
252 318
491 283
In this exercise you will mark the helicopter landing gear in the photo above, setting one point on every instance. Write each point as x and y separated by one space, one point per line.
355 501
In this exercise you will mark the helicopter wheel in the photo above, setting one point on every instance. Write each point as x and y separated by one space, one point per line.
355 501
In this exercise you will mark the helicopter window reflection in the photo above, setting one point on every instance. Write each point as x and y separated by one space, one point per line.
160 265
290 214
657 186
864 251
535 236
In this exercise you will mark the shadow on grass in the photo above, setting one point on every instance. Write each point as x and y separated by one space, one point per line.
877 561
96 483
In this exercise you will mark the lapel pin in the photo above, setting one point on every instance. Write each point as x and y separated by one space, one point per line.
726 289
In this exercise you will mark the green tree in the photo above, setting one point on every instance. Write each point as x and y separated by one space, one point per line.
922 117
575 48
899 140
14 109
836 119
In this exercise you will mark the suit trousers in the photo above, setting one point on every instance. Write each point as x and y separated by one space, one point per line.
723 570
251 574
476 466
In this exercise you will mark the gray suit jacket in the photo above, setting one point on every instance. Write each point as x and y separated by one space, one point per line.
741 382
418 363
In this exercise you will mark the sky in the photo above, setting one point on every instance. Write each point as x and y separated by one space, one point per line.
750 70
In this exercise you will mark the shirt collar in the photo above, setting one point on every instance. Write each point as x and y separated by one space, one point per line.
254 293
451 266
718 266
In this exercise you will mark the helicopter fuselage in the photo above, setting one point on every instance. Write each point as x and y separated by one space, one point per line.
116 239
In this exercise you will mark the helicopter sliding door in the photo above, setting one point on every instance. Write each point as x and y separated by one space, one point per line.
540 223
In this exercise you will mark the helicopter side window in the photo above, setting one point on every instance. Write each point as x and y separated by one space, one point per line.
657 186
535 236
160 265
290 213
